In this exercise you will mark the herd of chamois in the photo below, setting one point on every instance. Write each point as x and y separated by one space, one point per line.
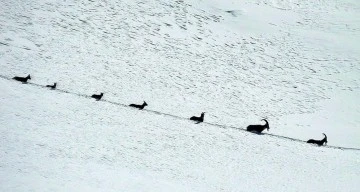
251 128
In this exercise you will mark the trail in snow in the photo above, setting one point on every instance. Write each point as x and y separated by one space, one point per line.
53 141
295 62
178 117
239 59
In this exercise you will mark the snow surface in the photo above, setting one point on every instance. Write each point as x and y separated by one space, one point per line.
294 62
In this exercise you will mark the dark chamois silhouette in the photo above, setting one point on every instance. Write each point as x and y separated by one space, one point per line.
318 142
199 119
258 128
52 86
22 79
139 106
97 97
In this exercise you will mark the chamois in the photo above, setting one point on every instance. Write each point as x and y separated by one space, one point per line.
22 79
258 128
97 97
52 86
140 107
199 119
318 142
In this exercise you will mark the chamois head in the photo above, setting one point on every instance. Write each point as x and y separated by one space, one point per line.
266 124
325 138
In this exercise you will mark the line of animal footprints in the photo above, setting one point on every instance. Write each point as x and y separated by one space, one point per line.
252 128
95 96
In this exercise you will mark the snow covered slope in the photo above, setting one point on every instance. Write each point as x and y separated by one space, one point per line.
293 62
53 141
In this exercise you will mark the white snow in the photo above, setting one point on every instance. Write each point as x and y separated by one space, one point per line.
294 62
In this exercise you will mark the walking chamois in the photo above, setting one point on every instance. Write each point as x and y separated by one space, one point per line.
199 119
52 86
258 128
140 107
22 79
97 97
318 142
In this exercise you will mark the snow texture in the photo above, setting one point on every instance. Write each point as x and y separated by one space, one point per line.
294 62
